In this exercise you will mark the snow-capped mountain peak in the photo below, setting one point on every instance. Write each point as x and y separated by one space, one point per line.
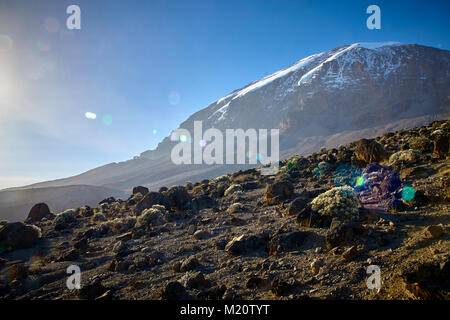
306 87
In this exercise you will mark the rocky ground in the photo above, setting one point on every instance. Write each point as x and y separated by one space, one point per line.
310 232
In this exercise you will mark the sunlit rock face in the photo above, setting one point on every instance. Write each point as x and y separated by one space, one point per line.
350 87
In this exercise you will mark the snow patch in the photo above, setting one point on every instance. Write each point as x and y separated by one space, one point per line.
266 80
376 45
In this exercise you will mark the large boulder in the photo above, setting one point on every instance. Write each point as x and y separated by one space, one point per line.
140 189
173 291
290 241
204 201
179 197
150 199
370 151
299 203
245 244
441 146
278 191
64 219
17 235
38 212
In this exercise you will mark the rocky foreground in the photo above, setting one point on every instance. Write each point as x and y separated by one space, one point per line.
310 232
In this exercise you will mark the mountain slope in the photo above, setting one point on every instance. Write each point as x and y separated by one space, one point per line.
301 234
335 95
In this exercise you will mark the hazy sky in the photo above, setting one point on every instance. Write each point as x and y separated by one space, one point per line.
144 66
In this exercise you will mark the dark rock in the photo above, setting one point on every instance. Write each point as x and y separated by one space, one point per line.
86 211
150 199
204 201
121 265
196 280
140 189
38 212
221 244
140 262
201 234
189 264
176 266
108 200
214 293
350 253
173 291
253 282
370 151
70 255
93 290
245 244
278 191
18 271
441 146
428 281
17 235
343 234
280 287
2 262
422 144
310 218
179 197
434 232
85 234
290 241
416 172
299 203
251 185
81 245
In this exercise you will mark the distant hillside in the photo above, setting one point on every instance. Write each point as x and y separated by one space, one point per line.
15 204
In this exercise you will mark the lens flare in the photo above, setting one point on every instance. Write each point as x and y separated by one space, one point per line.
107 119
408 193
155 131
183 138
203 143
6 43
51 25
174 98
346 175
359 181
90 115
43 46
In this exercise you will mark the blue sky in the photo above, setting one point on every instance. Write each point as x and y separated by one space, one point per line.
144 66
